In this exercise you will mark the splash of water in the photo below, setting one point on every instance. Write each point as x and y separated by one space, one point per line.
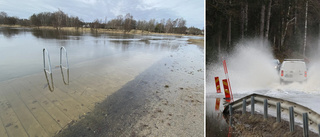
251 69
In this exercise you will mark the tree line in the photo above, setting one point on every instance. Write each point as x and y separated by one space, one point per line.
126 23
291 26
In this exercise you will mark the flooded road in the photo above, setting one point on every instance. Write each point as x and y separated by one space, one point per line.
249 73
166 100
120 85
21 48
216 125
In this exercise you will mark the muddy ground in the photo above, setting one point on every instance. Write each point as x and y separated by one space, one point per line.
165 100
256 126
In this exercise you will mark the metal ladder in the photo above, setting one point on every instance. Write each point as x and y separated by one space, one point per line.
64 67
49 70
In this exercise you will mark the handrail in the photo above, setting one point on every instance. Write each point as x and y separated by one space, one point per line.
45 52
64 67
313 118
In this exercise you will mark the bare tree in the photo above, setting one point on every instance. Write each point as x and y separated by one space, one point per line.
35 20
96 24
286 24
263 8
295 17
160 26
246 17
229 30
127 22
3 15
105 22
268 20
151 25
241 23
119 22
168 26
59 16
174 25
305 30
181 26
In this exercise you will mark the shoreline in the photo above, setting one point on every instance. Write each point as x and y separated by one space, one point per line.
99 30
199 42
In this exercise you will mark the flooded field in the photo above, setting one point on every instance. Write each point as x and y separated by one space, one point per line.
120 85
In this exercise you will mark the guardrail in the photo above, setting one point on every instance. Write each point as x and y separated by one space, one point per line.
308 116
47 71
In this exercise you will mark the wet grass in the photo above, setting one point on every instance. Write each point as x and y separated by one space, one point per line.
199 42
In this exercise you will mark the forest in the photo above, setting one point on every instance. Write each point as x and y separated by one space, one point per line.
125 23
292 27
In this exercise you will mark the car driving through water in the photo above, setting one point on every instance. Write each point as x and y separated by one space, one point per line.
293 70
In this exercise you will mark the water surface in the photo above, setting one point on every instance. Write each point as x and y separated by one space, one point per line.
21 48
102 66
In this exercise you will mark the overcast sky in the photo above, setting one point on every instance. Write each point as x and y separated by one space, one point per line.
89 10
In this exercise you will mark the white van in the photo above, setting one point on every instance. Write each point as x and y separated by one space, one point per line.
293 70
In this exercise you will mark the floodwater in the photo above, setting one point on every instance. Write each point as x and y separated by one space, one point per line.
216 125
114 75
249 73
21 49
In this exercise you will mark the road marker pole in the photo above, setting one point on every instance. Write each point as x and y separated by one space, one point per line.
226 90
217 84
227 77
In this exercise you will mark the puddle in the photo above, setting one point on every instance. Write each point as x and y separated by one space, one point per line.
216 124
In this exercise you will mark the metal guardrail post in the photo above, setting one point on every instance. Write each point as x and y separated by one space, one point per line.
252 105
244 106
49 71
291 117
305 125
319 129
64 67
278 112
230 112
265 106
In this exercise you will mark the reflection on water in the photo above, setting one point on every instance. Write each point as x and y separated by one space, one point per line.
55 34
10 32
20 49
216 125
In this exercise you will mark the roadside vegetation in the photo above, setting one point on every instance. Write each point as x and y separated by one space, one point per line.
127 23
